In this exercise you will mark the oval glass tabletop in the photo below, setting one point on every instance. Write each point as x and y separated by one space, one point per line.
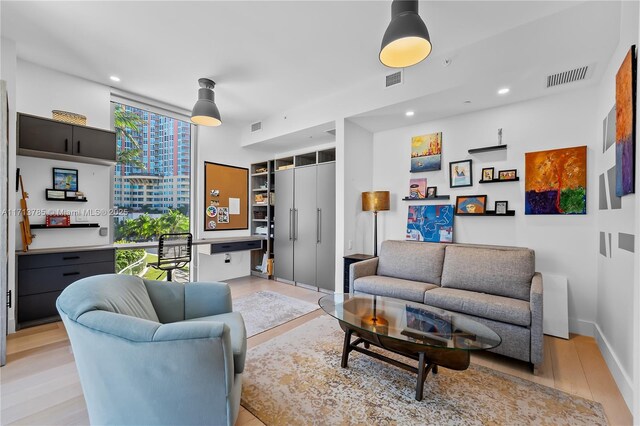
410 321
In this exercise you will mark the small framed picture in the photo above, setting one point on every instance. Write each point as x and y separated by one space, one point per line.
53 220
65 179
487 173
460 174
471 205
52 194
432 191
508 174
502 207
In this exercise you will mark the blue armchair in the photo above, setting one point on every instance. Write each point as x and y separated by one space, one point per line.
151 352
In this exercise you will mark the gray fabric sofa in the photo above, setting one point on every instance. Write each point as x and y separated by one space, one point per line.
495 285
151 352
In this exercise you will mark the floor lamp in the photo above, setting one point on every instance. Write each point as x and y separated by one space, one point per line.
375 201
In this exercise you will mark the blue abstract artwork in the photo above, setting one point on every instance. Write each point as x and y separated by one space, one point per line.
430 223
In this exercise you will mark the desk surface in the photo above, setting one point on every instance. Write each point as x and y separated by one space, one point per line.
133 246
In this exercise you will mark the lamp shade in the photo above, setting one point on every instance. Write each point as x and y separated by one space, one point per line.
205 111
406 41
375 201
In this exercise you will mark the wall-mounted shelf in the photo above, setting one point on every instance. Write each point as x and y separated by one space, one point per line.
491 213
437 197
84 200
487 149
73 225
499 180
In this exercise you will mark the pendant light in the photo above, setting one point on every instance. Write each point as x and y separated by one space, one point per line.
406 41
205 111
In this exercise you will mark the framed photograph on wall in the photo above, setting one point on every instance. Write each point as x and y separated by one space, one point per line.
460 174
487 174
471 205
432 191
502 207
508 174
65 179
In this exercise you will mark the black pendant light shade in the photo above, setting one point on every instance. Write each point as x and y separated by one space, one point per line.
205 111
406 41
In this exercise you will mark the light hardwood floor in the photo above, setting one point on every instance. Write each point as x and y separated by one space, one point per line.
40 385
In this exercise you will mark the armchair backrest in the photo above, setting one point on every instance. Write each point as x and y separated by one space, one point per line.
121 294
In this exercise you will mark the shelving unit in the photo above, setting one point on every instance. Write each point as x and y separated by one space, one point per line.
73 225
487 149
262 185
437 197
490 213
499 180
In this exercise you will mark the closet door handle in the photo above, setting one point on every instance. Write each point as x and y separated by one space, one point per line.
295 226
318 225
68 274
66 145
290 223
78 147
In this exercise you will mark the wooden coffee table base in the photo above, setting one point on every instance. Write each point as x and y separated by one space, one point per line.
429 358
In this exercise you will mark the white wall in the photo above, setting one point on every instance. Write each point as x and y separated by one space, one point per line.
358 178
616 271
564 245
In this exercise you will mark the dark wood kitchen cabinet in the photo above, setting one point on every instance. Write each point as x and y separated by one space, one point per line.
43 137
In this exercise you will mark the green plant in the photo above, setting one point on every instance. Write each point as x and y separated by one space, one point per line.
125 123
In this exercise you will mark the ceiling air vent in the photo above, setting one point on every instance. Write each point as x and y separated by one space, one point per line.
256 126
393 79
332 132
567 76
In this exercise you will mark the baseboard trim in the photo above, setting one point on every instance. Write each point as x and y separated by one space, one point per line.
582 327
622 379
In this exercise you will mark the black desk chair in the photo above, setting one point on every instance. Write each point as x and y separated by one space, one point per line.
174 252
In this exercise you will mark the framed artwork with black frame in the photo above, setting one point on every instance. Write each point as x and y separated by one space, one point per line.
432 191
226 197
65 179
487 174
470 205
501 207
460 173
511 174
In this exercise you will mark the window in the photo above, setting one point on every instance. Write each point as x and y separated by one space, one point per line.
150 176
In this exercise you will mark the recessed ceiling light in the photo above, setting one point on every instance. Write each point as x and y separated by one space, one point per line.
409 113
503 91
114 78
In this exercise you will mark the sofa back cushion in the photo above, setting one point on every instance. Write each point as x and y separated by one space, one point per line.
503 271
411 261
121 294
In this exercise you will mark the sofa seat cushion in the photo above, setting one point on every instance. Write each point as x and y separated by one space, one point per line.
503 309
392 287
501 271
234 321
411 260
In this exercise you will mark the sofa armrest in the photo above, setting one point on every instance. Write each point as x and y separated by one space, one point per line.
537 336
362 269
206 299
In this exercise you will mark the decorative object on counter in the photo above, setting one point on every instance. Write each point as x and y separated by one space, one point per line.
25 227
430 223
417 188
556 181
460 174
426 152
69 117
375 201
487 173
432 191
626 124
65 179
471 205
232 182
511 174
205 111
54 220
501 207
406 41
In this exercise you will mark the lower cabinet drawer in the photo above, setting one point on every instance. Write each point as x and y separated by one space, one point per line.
37 306
43 280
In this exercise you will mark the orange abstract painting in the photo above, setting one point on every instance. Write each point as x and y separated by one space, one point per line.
626 125
556 181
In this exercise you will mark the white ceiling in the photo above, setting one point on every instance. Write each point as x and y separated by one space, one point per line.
266 56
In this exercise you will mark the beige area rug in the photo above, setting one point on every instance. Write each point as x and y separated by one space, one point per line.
264 310
296 379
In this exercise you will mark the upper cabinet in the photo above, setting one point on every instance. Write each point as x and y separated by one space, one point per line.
42 137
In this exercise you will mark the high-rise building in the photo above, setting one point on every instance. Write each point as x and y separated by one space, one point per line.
165 152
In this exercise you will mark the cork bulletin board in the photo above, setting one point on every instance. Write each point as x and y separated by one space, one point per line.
226 197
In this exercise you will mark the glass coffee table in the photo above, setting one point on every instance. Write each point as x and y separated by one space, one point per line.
431 336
